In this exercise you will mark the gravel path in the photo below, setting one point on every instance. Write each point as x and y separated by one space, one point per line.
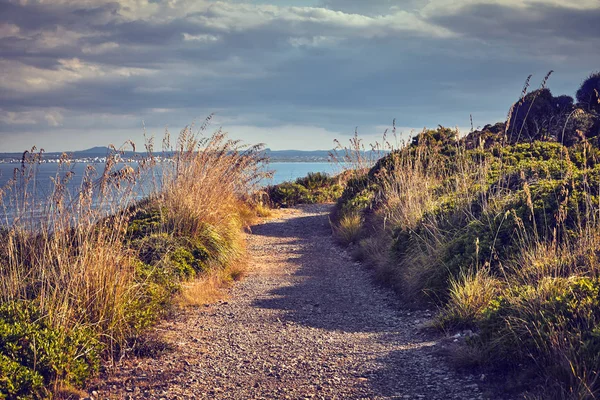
307 322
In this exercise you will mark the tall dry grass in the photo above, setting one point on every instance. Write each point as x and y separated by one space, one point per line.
73 255
63 251
210 178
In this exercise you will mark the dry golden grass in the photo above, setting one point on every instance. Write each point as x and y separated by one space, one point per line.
470 294
263 211
407 189
347 229
73 257
202 291
211 287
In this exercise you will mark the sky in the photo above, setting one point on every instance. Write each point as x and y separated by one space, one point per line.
293 74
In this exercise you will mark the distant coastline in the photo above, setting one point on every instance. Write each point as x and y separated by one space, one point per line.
99 155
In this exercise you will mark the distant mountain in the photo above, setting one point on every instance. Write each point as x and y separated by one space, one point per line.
95 150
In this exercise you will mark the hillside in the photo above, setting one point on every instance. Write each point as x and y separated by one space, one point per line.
500 230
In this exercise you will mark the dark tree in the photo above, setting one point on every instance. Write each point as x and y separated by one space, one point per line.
539 116
588 95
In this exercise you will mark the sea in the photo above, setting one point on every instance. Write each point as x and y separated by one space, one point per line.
290 171
40 189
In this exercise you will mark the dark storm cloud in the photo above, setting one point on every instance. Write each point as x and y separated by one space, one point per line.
539 29
33 16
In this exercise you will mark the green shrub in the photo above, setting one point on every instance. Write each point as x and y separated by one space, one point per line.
288 194
183 262
556 320
19 382
357 196
442 139
316 187
165 262
34 356
489 136
316 180
148 218
539 116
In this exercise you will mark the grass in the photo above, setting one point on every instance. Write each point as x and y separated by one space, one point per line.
82 276
210 287
347 229
499 229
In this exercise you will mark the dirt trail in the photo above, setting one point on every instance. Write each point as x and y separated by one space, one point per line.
306 323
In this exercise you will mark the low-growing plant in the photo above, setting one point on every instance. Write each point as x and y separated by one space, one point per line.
470 295
347 229
588 94
35 356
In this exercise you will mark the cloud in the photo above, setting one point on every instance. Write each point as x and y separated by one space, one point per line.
372 7
17 118
314 41
89 66
206 38
9 30
22 78
52 116
540 27
100 48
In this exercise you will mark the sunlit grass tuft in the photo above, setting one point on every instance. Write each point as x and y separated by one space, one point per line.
347 229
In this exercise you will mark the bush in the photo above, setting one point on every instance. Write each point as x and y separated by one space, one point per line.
356 197
316 180
588 95
34 356
316 187
539 116
19 382
470 295
489 136
557 317
148 218
289 194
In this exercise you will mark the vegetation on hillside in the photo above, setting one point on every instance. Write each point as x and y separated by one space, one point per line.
501 230
81 278
316 187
